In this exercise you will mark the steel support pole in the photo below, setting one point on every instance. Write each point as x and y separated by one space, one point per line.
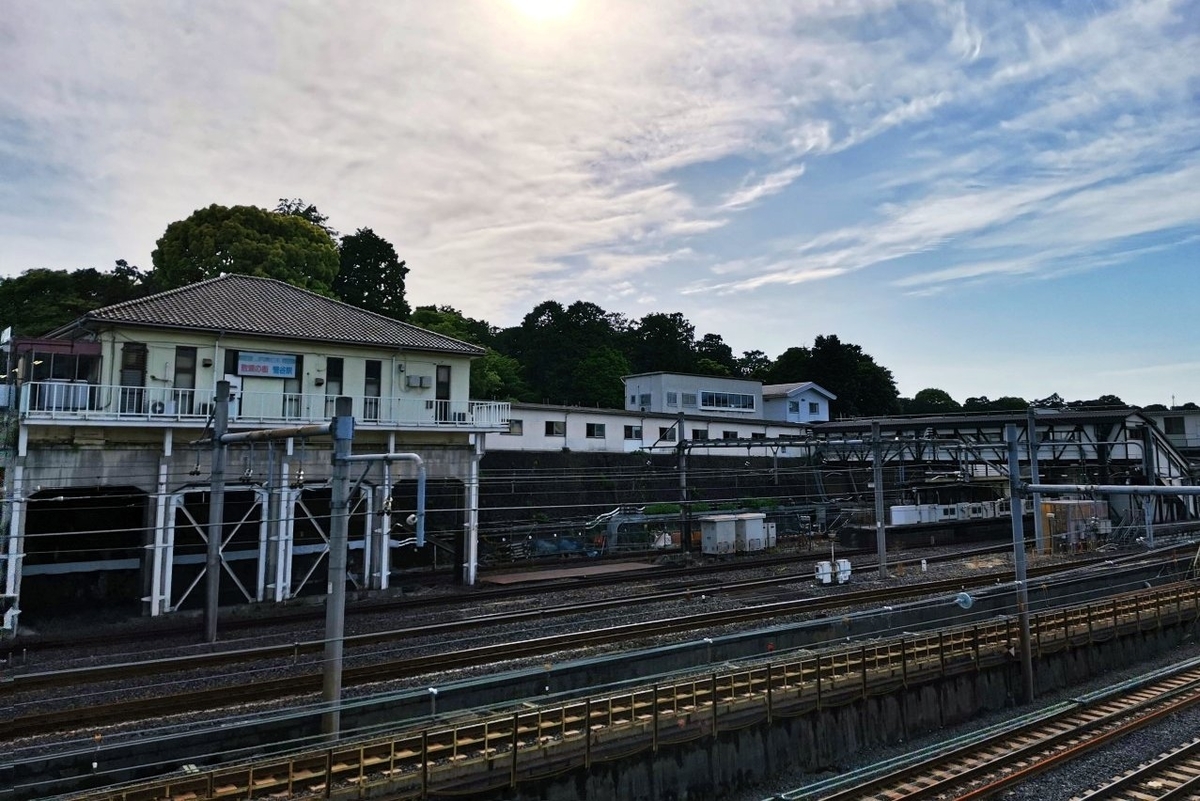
880 528
471 571
1018 532
685 528
216 513
335 600
1034 441
1148 468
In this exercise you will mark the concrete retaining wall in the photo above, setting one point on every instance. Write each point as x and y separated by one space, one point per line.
827 739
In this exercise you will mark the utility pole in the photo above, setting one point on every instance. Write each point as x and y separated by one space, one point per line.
1018 532
880 529
1151 473
685 523
216 513
335 600
1032 440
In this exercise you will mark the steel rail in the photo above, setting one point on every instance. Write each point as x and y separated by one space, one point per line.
153 630
1173 775
265 690
983 769
33 680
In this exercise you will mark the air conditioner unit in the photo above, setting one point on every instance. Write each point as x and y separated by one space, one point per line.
426 381
412 381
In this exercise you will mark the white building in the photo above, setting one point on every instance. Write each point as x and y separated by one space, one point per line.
800 402
536 427
675 393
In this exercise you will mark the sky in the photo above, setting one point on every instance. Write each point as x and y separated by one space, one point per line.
989 198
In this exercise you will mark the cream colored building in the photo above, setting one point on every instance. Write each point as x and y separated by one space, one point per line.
107 482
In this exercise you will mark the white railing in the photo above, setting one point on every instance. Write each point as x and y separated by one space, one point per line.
70 401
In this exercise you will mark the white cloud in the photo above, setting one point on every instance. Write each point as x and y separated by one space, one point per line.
768 185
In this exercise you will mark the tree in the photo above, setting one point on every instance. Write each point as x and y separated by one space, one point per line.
661 341
714 357
1102 402
597 378
932 401
371 275
752 364
38 301
553 340
453 323
863 388
1007 403
295 207
493 375
246 240
1054 401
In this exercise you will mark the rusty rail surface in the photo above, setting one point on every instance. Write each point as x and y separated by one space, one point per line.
1175 774
496 751
268 689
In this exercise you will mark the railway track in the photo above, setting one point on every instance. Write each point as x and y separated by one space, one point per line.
489 752
18 648
984 767
1173 775
269 689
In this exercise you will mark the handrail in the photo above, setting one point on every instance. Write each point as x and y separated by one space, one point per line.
72 401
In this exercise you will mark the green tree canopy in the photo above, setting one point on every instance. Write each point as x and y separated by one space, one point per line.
371 275
246 240
493 375
1006 403
661 341
753 364
863 388
714 357
597 378
932 401
552 341
296 207
38 301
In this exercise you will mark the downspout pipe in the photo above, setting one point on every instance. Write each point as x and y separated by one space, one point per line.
388 458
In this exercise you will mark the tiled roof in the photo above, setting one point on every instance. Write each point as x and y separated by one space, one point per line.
247 304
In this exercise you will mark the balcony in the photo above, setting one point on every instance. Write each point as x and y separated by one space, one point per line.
75 402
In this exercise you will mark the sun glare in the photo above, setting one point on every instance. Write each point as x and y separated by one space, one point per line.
543 10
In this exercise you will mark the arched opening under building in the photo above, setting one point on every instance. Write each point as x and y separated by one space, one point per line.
444 521
84 550
310 543
244 523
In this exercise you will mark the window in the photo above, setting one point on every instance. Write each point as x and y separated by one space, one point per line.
334 366
1173 425
727 400
515 427
556 428
133 376
633 432
372 386
633 400
729 435
595 430
793 407
672 398
666 433
699 433
814 408
758 435
644 400
689 400
184 387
